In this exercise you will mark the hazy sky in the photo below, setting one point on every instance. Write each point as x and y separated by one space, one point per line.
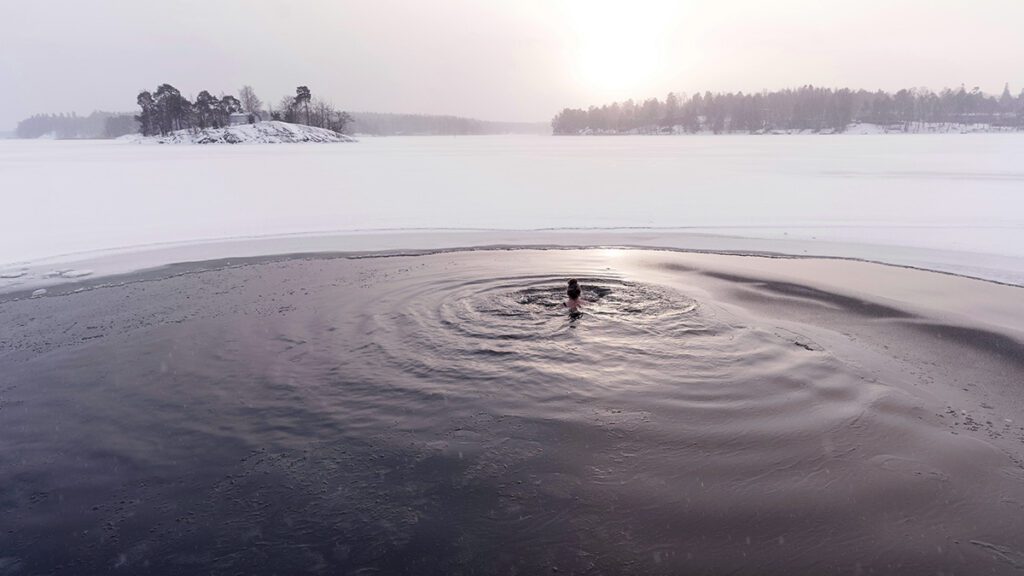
499 60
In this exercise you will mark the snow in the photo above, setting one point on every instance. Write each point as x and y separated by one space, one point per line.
68 273
856 128
937 201
271 132
926 128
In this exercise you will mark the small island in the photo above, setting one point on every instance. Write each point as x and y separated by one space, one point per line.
167 117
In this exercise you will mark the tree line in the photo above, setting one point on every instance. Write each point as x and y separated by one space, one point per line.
384 124
805 108
304 109
165 110
70 126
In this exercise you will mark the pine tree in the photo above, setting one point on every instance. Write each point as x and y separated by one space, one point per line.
671 110
1006 100
172 109
302 98
147 118
227 106
205 110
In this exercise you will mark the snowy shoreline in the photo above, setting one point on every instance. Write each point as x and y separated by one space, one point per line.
854 129
73 272
270 132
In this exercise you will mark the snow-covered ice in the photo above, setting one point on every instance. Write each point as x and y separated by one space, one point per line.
68 273
949 202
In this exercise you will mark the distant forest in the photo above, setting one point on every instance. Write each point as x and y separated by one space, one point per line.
380 124
71 126
806 108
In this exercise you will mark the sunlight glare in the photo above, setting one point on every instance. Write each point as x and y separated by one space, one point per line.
618 47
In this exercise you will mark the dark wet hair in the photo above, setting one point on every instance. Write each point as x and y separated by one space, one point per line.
573 291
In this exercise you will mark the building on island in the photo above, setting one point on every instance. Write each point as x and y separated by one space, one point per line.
239 118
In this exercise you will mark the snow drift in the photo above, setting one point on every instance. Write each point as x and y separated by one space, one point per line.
271 132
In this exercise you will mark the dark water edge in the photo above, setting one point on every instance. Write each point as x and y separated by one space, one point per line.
442 414
130 269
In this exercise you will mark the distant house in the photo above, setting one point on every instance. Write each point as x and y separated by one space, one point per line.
239 118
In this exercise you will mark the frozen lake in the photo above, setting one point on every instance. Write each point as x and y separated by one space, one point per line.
947 202
704 413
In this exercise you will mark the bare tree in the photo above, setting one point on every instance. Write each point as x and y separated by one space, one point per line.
250 103
287 110
322 112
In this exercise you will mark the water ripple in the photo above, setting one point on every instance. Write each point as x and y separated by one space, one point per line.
389 416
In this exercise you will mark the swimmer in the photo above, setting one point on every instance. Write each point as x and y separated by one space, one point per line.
573 292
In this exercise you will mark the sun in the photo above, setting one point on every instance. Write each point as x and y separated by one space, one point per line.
618 51
617 66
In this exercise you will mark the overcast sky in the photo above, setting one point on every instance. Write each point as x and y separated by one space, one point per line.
497 60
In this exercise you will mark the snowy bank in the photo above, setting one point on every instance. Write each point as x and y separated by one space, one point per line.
926 128
856 128
272 132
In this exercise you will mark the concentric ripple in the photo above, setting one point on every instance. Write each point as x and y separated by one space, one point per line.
525 308
513 339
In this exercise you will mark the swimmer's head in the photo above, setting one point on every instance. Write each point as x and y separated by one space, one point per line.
573 291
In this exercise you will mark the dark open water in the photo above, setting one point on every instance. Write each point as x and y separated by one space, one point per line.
445 415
